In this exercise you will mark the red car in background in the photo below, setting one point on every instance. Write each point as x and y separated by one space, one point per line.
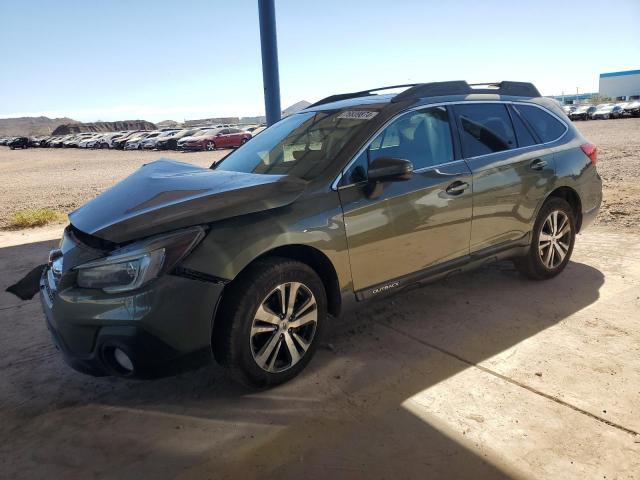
212 139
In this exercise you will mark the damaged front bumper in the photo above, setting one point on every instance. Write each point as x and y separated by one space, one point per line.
160 329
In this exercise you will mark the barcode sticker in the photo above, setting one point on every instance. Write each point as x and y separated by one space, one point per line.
357 115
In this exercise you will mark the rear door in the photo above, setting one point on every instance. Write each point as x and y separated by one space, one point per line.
512 172
235 137
223 139
402 228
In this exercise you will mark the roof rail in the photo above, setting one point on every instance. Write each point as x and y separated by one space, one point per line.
363 93
460 87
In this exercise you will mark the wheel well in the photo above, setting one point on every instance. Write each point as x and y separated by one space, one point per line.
319 262
573 199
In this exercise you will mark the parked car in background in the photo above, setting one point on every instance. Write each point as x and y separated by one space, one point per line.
632 108
150 142
582 112
18 142
106 140
135 142
218 138
119 142
171 142
198 141
605 112
90 141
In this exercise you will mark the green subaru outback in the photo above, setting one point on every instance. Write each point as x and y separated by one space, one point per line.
354 198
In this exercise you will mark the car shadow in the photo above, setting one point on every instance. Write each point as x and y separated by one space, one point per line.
343 416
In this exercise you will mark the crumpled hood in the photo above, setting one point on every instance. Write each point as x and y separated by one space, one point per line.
166 195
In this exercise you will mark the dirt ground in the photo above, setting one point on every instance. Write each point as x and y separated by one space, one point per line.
481 376
64 179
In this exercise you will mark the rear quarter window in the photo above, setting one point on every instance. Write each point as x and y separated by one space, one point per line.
547 127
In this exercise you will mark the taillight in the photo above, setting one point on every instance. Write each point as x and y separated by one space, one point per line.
590 151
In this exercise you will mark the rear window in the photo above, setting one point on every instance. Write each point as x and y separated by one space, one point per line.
486 128
547 127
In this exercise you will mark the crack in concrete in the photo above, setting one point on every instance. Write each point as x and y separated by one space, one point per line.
18 305
512 381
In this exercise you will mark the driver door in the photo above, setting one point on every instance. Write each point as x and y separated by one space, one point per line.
405 227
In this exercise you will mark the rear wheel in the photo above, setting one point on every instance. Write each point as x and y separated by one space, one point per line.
270 322
552 241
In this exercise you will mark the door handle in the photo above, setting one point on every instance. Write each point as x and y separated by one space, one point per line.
538 164
456 188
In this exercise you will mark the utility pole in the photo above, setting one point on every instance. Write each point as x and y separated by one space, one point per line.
269 47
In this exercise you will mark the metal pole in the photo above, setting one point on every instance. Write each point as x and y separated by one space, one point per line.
269 45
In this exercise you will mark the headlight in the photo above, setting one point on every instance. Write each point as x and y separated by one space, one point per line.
135 265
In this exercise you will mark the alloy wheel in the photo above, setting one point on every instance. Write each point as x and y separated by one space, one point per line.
211 146
283 327
554 239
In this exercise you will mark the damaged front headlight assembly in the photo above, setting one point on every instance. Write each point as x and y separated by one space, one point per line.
135 265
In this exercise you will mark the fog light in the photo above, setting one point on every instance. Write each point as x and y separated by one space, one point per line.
123 360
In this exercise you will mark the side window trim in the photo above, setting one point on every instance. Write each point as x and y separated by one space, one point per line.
449 105
513 111
455 144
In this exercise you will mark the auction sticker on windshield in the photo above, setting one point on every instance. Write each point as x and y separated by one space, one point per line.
358 115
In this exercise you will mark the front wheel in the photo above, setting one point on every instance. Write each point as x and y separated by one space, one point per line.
270 322
552 241
211 146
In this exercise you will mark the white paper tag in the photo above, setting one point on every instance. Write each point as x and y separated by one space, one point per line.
357 115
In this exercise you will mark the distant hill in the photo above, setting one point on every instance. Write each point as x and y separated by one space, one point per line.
167 124
31 126
295 108
78 127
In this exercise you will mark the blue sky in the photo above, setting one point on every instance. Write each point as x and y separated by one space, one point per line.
117 59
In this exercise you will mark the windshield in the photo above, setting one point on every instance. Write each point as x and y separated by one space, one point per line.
301 145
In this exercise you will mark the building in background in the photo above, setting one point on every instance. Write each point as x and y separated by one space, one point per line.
620 85
575 98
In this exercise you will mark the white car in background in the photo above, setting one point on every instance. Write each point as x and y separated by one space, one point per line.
135 143
149 143
90 141
106 140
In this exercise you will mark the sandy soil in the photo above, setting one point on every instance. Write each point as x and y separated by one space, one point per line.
482 376
619 165
64 179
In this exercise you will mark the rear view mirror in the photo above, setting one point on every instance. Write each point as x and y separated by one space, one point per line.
389 169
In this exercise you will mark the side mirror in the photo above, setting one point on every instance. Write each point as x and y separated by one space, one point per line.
389 169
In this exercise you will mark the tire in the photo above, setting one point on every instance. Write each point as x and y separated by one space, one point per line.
260 353
244 140
104 145
540 263
210 146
